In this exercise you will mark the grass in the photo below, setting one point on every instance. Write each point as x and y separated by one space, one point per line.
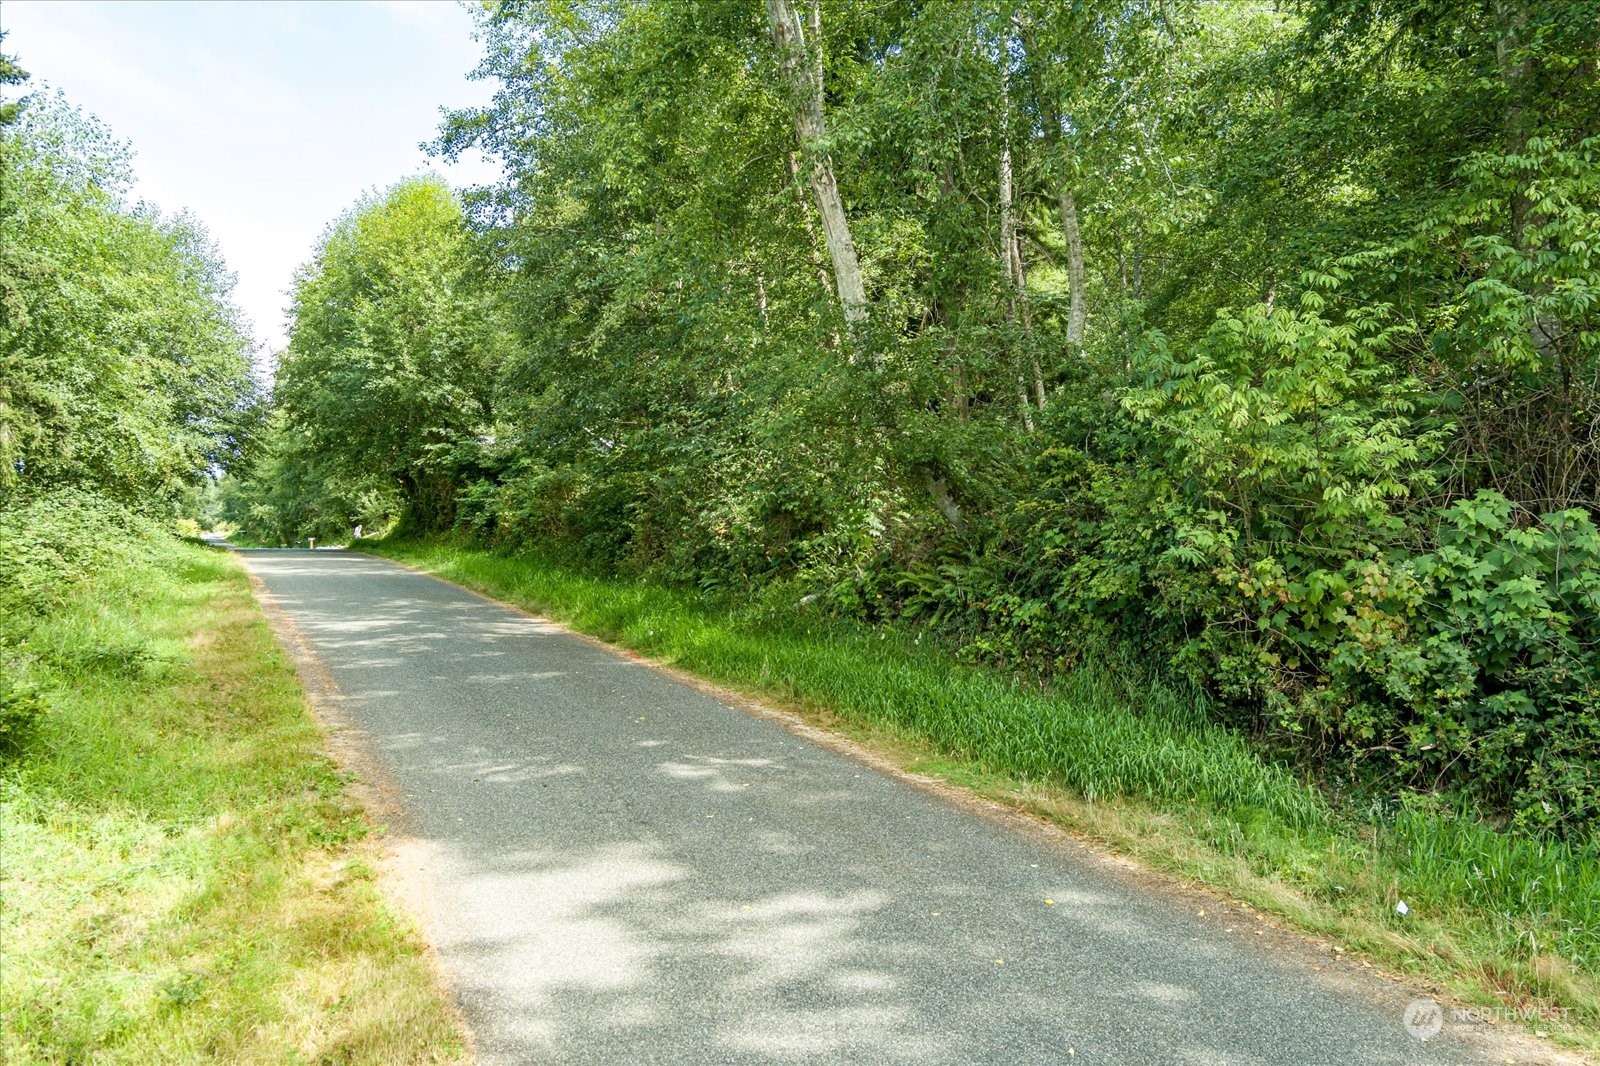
1495 920
184 876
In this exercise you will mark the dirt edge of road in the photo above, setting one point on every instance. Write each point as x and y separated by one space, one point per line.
402 875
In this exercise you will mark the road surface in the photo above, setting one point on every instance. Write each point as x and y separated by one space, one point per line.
623 869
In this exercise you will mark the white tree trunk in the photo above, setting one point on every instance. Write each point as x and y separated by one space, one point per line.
1008 225
939 489
1077 311
1017 278
811 227
801 66
1027 318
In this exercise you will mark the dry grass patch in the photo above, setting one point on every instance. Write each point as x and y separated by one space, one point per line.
185 877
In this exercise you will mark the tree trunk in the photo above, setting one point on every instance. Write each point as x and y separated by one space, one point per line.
939 489
811 228
1021 272
1077 311
1016 277
801 67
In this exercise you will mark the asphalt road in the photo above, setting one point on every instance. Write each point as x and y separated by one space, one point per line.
623 869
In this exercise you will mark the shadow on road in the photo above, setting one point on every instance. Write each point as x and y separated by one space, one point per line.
622 869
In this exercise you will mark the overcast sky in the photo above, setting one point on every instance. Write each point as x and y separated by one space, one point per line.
266 120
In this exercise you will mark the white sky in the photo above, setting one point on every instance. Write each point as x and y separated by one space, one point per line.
266 120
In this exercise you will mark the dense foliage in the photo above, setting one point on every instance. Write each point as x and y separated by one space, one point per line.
388 383
125 379
124 368
1260 341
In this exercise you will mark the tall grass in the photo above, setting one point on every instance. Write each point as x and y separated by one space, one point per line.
184 878
1479 900
1533 886
1079 735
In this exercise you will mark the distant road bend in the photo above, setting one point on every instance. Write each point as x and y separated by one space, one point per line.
624 870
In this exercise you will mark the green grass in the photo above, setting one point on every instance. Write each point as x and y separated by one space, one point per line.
1495 919
184 877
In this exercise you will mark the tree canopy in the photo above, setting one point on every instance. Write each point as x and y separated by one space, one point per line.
1255 342
125 369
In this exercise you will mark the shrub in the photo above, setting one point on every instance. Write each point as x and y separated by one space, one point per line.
1256 522
1479 660
50 541
51 544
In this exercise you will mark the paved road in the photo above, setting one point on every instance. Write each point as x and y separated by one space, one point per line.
626 870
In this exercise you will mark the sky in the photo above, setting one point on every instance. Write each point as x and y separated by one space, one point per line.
265 120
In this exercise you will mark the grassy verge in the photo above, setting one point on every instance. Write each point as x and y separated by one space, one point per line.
1493 920
184 877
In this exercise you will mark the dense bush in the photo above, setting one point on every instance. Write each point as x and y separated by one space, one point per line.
1258 518
53 541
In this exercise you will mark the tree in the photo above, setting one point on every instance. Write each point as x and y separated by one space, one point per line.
394 347
800 62
124 367
1209 332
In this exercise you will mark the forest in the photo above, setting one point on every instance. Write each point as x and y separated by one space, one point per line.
1243 350
1251 345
